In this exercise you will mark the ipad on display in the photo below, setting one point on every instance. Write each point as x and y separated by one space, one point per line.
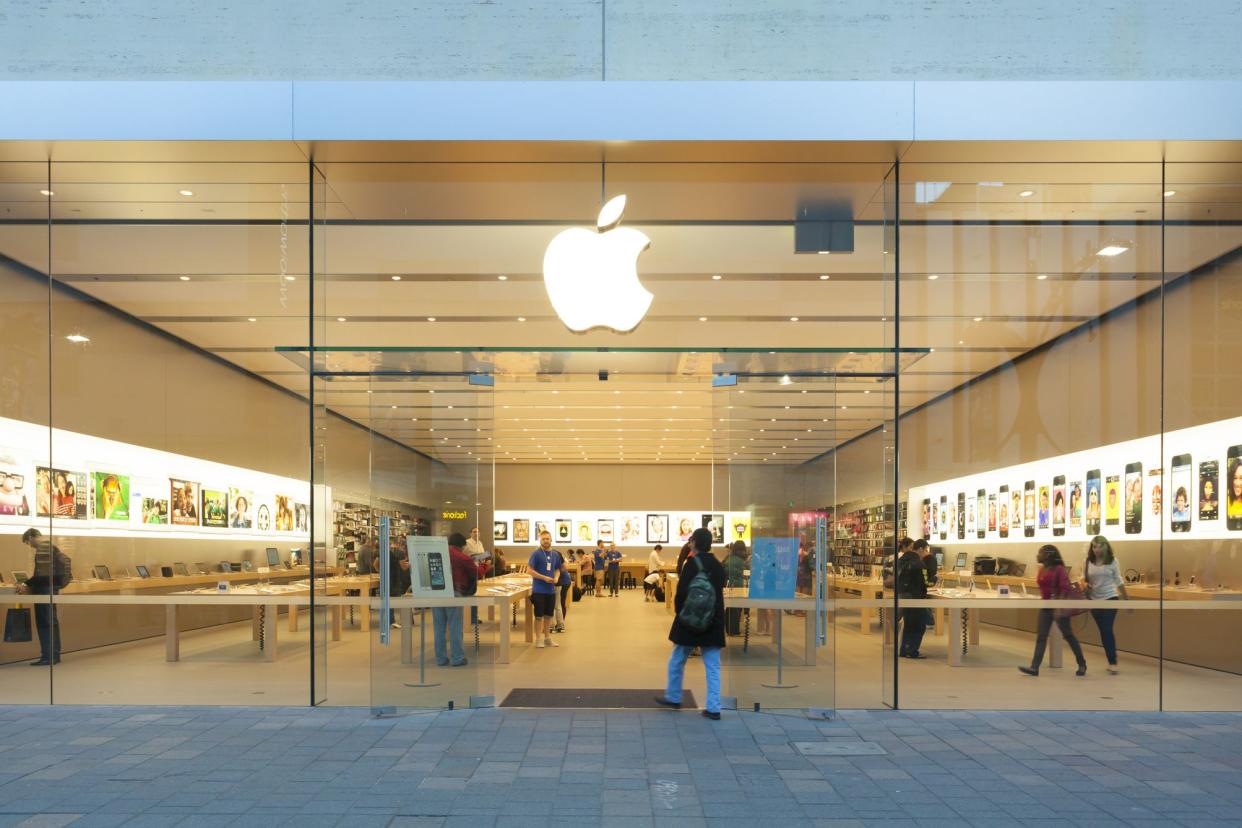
202 568
142 571
102 573
273 556
180 569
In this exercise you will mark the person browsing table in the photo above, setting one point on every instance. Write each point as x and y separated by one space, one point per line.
545 566
599 554
614 570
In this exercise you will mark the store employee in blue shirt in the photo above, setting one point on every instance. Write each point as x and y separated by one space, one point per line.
614 570
545 566
599 568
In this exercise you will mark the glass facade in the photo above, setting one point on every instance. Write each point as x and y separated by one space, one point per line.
248 391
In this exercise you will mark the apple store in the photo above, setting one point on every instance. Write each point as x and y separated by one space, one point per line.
251 389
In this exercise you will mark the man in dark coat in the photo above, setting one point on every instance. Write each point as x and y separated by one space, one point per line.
52 573
911 582
685 638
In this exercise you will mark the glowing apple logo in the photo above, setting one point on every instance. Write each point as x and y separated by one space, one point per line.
592 276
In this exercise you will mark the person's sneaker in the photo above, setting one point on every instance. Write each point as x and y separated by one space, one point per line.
1081 671
1112 670
40 663
550 643
442 663
538 645
712 714
915 655
461 663
1030 671
395 625
664 701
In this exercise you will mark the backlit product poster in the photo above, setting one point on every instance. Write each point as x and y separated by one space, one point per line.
774 568
215 511
500 530
714 523
739 527
604 526
61 493
541 526
284 513
1125 491
657 528
521 530
564 529
583 532
111 496
632 530
183 502
154 511
685 527
14 491
241 508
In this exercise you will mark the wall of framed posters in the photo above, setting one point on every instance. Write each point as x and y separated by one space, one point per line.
637 527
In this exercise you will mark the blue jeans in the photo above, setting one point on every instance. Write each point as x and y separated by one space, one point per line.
677 669
450 617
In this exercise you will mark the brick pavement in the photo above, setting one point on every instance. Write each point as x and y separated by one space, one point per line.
103 766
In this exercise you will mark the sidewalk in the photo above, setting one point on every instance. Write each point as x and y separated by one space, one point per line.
87 766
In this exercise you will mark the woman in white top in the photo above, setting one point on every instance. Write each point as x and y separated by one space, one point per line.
653 568
1102 581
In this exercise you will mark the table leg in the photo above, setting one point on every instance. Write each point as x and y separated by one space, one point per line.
937 619
364 606
335 613
954 644
502 650
172 637
864 620
407 635
530 622
293 618
491 612
270 626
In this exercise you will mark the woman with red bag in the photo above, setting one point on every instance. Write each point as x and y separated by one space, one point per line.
1054 584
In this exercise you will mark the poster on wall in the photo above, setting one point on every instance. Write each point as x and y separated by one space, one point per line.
521 530
284 513
14 495
564 531
111 496
154 511
500 530
61 493
605 529
1209 501
183 501
1112 500
263 518
582 532
685 527
241 508
774 568
739 525
430 576
215 510
301 518
714 523
657 528
632 529
541 526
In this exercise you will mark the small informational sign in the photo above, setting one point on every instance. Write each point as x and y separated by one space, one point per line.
1003 590
430 573
774 568
222 586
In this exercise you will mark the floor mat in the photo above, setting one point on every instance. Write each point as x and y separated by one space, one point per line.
563 697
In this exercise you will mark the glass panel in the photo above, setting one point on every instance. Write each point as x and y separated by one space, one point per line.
26 496
1203 434
1039 288
325 625
183 433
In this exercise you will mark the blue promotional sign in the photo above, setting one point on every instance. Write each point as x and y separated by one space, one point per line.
774 568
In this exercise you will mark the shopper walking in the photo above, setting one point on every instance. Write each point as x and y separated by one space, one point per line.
563 583
52 572
1102 581
735 578
599 554
586 570
448 620
614 570
700 622
910 579
1054 584
545 566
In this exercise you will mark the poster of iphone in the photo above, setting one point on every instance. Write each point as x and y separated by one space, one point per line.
1002 518
1112 500
1075 504
1134 498
1209 490
1044 511
1181 492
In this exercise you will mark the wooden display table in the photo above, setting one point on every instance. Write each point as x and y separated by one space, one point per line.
736 598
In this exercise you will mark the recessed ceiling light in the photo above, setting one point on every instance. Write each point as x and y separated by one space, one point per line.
933 276
46 193
1027 193
793 319
503 278
252 319
431 319
716 277
340 319
77 338
184 278
1112 250
291 278
1041 277
185 192
1170 193
394 407
978 318
961 342
823 277
414 419
396 278
702 318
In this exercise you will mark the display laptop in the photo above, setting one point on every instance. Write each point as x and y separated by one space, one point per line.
961 561
202 568
180 569
102 573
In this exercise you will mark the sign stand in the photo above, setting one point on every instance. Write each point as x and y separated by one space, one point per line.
422 653
780 678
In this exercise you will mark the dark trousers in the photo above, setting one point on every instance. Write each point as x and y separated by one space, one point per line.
913 625
1046 619
1104 619
565 600
48 627
614 580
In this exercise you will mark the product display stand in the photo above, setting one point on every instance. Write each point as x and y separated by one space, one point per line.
422 653
780 677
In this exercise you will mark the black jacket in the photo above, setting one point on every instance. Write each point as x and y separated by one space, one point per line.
909 577
52 570
713 636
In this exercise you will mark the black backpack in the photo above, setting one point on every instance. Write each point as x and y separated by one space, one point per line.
699 610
